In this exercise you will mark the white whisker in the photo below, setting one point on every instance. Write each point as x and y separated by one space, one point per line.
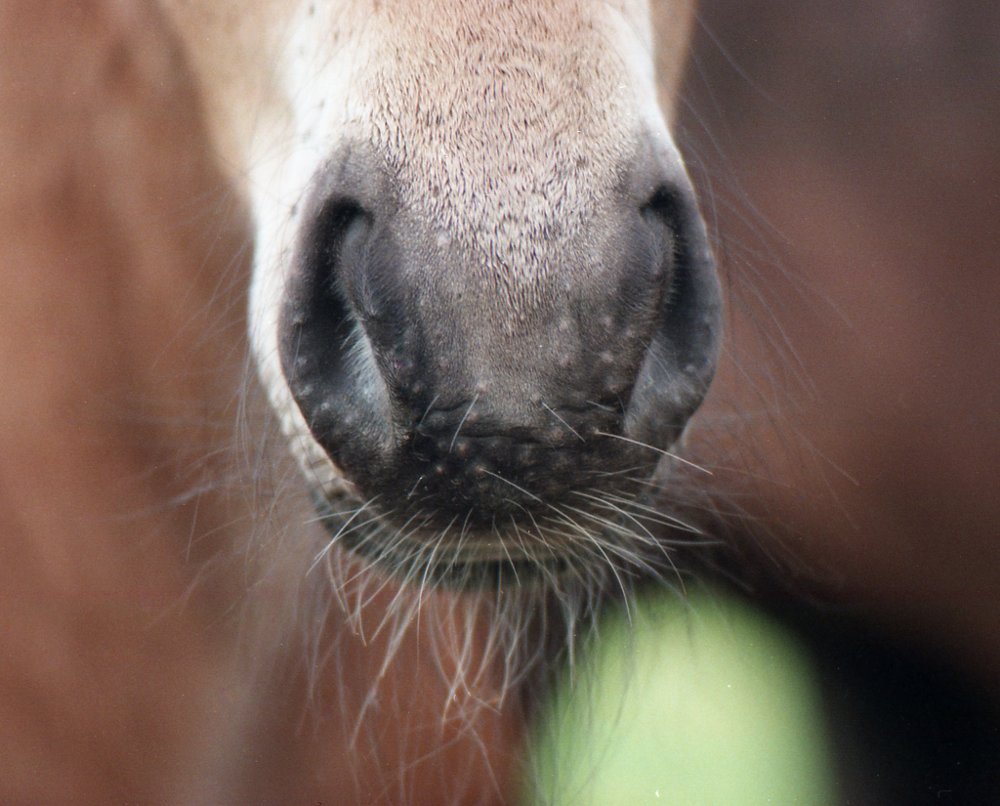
653 448
461 422
555 414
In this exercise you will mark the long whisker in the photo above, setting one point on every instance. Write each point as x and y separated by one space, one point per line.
660 451
652 540
520 489
330 543
461 422
555 414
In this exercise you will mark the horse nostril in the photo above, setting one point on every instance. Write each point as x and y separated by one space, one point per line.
660 214
681 357
326 353
334 257
321 288
336 223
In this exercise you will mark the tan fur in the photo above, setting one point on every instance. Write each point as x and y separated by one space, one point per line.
235 46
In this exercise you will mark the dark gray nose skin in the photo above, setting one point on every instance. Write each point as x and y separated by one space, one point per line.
431 392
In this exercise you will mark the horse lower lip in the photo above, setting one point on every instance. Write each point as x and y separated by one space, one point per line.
469 564
458 552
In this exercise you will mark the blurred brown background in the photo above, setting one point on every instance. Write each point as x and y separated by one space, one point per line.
849 160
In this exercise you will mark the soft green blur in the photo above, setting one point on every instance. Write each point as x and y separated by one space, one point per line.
704 701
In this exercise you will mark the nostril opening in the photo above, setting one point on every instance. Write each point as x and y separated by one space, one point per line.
680 359
327 356
338 238
325 319
337 216
662 205
661 214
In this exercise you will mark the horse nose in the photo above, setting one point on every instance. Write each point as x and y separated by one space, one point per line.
420 374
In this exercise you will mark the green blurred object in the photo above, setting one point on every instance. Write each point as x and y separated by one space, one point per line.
700 701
